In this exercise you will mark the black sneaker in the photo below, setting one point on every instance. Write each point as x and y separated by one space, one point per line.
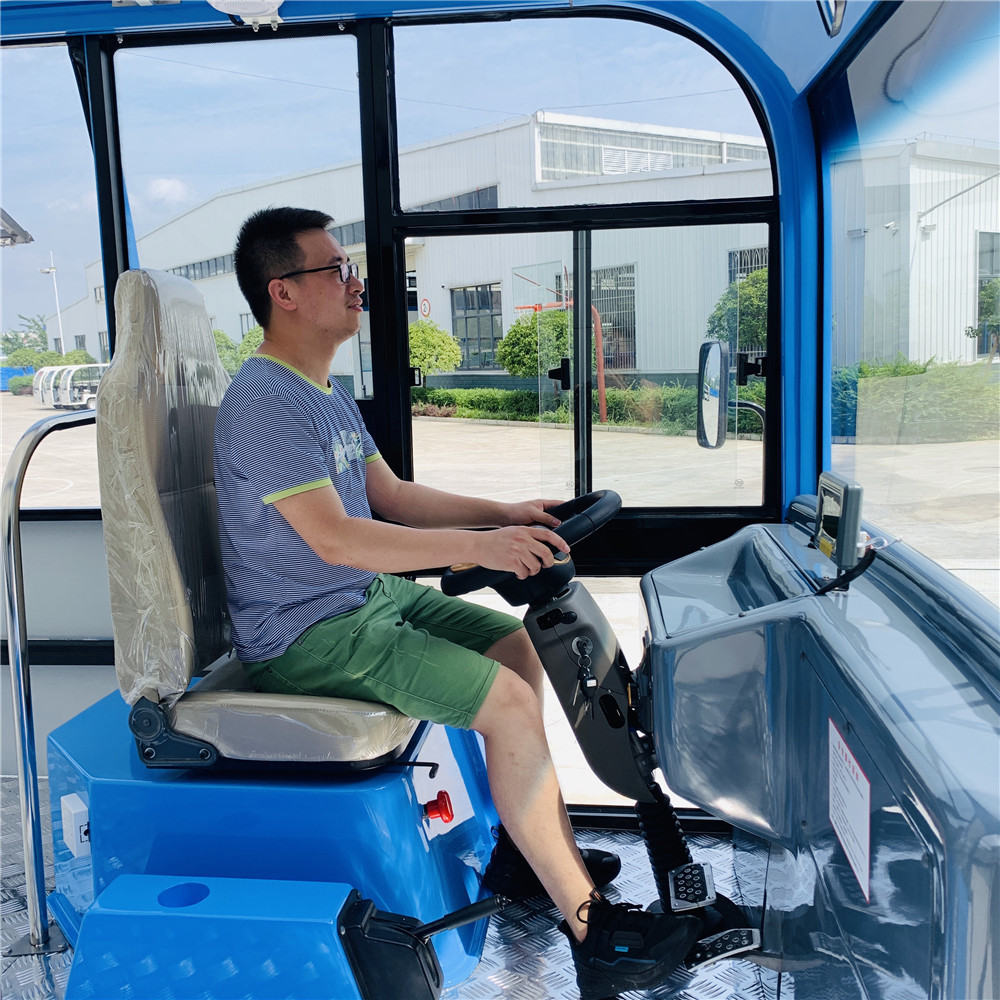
627 948
509 874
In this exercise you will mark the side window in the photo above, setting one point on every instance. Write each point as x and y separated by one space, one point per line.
188 199
577 349
51 318
654 295
623 112
914 311
477 325
987 328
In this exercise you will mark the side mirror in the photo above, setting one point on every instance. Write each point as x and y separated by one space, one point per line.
713 393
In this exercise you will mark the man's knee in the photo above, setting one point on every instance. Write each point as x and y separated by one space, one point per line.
510 699
517 651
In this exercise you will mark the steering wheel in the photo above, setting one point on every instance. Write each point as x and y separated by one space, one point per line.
580 517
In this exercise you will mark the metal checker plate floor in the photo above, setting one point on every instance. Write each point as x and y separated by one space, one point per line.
525 958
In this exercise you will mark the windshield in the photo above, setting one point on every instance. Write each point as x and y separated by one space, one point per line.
913 312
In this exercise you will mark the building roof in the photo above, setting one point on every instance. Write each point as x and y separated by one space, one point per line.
11 233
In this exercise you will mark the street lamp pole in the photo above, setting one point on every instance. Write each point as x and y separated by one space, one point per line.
51 269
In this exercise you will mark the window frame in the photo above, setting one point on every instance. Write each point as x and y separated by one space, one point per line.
619 548
624 547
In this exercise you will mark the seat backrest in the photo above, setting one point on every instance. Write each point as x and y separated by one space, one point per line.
156 409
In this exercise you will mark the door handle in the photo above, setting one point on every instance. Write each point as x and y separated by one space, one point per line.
561 374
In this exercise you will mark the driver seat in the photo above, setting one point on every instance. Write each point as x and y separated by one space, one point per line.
156 408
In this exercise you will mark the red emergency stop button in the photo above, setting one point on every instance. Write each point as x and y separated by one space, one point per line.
440 808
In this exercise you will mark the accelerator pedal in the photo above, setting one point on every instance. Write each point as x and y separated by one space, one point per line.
691 887
725 944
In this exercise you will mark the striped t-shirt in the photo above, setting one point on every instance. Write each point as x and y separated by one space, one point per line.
278 433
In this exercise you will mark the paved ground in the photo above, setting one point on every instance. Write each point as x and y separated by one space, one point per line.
942 498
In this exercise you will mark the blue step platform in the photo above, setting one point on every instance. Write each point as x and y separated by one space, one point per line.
158 936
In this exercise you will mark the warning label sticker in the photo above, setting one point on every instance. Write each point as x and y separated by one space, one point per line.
850 807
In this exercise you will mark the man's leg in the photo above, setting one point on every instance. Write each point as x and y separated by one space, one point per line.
517 652
509 873
615 947
526 792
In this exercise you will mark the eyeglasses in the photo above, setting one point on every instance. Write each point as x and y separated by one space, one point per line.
347 271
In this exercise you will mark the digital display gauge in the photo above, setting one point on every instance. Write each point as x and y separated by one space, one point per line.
838 519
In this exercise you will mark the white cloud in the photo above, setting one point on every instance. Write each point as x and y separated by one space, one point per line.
62 206
171 190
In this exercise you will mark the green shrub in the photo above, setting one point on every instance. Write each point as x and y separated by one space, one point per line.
443 397
432 349
20 385
227 351
535 342
949 402
747 421
79 357
680 409
431 410
23 357
905 401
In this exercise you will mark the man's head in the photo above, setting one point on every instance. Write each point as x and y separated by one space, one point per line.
267 247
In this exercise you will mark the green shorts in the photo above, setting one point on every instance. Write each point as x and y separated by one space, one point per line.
408 646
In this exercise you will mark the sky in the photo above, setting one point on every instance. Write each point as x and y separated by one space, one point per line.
197 120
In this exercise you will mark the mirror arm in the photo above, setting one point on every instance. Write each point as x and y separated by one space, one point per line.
745 404
749 364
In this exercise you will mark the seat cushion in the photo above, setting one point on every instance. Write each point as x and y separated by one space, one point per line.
243 724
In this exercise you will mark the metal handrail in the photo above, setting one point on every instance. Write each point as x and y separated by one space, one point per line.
17 647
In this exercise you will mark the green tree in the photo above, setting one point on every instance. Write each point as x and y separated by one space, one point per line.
252 339
78 357
47 359
535 343
227 350
32 333
24 357
433 349
740 315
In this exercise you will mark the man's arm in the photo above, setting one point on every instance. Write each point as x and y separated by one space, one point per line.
423 507
320 519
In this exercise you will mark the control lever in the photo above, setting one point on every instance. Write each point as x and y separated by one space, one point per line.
459 918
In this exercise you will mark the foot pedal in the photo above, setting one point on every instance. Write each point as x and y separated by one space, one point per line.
691 887
725 944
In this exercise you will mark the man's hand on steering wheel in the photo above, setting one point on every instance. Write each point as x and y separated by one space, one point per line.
523 550
533 512
577 519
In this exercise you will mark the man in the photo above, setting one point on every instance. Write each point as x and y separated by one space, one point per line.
316 610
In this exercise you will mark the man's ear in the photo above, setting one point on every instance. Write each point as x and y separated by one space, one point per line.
280 295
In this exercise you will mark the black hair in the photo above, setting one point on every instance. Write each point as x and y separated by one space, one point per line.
267 247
